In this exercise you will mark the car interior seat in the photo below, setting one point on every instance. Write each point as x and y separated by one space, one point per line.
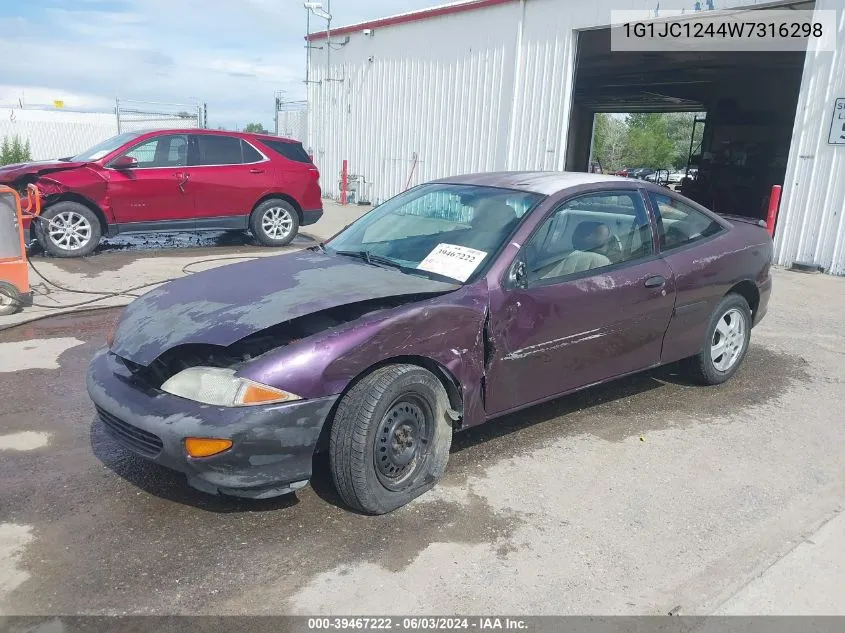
581 258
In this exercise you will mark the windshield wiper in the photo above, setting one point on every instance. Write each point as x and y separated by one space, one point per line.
377 260
370 258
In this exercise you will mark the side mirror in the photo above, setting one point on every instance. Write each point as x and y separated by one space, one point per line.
124 162
518 276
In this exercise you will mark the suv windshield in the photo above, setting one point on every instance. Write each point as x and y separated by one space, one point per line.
436 230
106 147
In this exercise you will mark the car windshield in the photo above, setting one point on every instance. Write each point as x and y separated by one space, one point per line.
436 230
106 147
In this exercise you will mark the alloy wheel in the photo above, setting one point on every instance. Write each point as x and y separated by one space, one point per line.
277 223
69 230
728 340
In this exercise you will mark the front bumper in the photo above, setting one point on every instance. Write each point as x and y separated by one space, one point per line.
273 445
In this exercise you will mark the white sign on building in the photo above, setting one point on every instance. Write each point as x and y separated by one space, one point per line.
837 123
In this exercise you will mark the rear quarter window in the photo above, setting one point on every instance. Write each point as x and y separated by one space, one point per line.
291 151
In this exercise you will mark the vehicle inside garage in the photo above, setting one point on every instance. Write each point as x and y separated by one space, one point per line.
750 100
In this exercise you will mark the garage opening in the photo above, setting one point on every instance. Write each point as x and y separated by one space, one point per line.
748 101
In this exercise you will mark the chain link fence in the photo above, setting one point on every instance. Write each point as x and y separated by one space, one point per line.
58 133
133 116
292 120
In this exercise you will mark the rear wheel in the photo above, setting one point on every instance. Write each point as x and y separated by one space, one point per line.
726 342
10 298
68 229
390 438
274 222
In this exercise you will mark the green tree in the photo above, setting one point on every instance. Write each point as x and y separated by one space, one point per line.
609 139
14 151
648 143
255 128
680 126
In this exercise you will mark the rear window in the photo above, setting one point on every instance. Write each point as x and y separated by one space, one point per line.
291 151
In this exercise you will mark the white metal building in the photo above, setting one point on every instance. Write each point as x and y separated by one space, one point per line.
513 84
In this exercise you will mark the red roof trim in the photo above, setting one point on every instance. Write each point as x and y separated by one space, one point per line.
425 14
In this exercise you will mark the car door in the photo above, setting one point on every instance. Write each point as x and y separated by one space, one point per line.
700 277
227 177
586 298
153 191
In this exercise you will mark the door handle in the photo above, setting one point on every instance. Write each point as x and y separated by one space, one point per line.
183 178
256 171
655 282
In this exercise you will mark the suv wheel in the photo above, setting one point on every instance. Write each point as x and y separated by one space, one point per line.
274 222
68 229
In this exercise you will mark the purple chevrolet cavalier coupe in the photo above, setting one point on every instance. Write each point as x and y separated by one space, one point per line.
451 304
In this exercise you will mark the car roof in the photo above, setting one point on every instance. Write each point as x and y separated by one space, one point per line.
196 130
543 182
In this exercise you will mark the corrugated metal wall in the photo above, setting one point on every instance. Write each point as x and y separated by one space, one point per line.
490 89
416 101
56 134
811 226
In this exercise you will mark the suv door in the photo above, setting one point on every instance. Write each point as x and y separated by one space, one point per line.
154 189
228 176
587 299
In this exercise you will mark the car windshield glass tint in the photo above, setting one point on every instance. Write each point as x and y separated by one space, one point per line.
106 147
438 230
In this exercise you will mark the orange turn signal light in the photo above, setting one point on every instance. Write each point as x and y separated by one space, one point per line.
206 446
257 394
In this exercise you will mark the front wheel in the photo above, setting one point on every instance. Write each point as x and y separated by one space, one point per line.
726 342
274 222
68 229
390 438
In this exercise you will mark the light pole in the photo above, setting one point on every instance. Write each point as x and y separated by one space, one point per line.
317 9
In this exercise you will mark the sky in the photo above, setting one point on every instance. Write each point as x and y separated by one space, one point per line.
231 54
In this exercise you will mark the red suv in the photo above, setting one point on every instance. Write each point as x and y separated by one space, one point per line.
167 180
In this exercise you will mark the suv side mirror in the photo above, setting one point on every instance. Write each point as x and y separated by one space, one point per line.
124 162
518 276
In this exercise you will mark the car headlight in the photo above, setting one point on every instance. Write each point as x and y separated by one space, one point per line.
220 387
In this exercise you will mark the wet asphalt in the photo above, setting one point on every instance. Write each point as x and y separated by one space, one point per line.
630 497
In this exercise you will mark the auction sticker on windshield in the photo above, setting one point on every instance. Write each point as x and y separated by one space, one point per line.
451 260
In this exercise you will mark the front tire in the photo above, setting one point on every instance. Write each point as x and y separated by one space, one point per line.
390 438
726 343
68 229
274 222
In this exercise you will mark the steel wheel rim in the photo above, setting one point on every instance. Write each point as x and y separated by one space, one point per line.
402 441
728 340
6 299
277 222
69 230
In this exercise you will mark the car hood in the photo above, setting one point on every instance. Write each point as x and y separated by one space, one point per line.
37 168
223 305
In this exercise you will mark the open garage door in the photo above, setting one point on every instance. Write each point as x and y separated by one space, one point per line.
750 99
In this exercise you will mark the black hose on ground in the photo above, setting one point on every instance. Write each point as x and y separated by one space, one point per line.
106 295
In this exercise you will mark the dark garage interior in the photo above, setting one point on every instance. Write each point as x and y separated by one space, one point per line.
750 99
